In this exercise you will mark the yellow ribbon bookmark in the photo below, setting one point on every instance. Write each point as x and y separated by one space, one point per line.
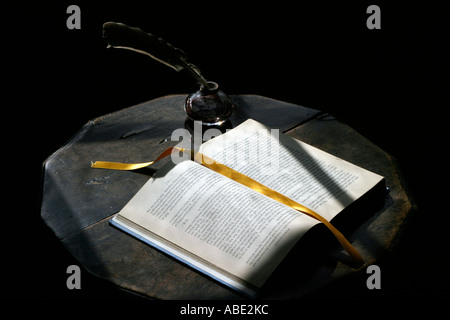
132 166
245 180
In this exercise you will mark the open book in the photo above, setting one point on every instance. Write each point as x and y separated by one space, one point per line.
229 231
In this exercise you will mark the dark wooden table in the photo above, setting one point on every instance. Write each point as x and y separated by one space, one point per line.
78 201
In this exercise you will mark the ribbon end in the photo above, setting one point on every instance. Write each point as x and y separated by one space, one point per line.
357 263
353 259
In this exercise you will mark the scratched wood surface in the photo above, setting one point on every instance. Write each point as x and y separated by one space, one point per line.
78 201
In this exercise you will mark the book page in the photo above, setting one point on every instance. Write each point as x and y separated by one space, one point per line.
218 220
307 175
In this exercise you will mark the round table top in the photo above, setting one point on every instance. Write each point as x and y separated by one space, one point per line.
78 201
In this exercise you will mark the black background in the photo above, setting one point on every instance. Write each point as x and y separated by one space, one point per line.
387 84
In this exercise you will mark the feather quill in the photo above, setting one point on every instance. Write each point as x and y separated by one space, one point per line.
121 36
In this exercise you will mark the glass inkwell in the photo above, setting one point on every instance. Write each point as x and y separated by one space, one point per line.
209 104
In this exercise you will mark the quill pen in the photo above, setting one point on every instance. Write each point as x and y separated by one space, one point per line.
122 36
